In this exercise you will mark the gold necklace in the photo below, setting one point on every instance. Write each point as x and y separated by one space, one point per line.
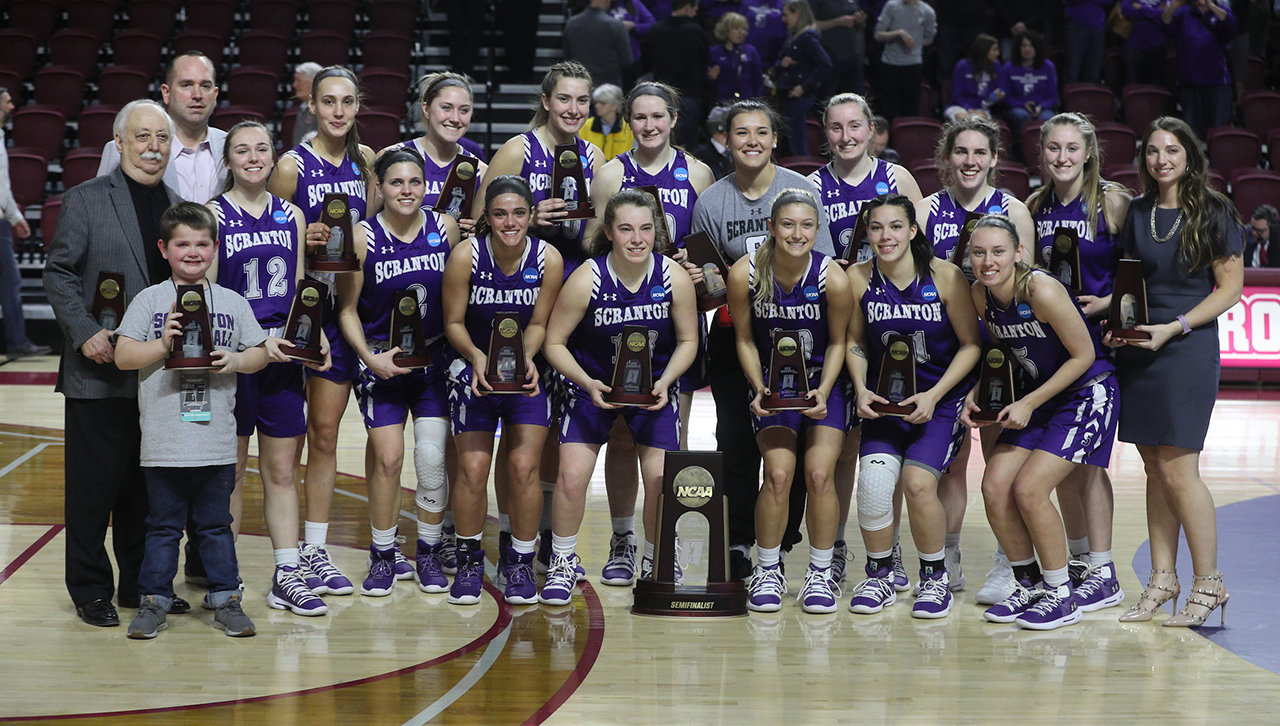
1172 231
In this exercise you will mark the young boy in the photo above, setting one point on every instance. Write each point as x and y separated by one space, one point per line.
188 426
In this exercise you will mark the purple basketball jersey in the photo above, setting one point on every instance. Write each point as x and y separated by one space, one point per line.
392 264
918 313
1099 251
1039 351
802 309
677 192
493 291
538 163
435 176
317 177
613 307
946 217
258 257
843 201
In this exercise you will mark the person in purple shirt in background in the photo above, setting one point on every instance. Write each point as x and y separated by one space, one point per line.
1144 49
1202 30
639 21
767 32
734 71
1086 37
802 71
979 82
1033 81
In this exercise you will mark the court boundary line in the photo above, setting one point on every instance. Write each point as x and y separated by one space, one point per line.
595 642
30 551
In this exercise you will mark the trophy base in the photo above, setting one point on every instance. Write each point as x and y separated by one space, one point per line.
584 211
507 388
777 403
202 363
707 303
984 416
1129 334
631 399
411 361
892 409
716 600
305 355
339 265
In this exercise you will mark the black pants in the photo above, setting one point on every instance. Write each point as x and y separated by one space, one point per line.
104 485
737 441
466 26
518 20
898 92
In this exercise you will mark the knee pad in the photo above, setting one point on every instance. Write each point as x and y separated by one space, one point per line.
428 461
877 478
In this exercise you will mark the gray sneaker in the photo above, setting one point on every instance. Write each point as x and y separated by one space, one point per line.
231 618
150 619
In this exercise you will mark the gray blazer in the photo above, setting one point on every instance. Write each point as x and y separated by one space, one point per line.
98 231
217 140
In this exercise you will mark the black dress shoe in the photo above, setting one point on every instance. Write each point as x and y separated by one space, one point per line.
100 613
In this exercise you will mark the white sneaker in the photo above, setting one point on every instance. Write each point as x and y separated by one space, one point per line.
954 570
819 593
1000 582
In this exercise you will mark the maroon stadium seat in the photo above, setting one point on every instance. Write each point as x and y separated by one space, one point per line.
1261 112
915 138
1252 188
80 165
803 165
139 48
926 175
385 88
156 15
1091 99
18 48
227 116
387 49
338 16
325 47
216 17
1126 175
40 127
96 123
36 16
211 44
1014 177
94 16
379 129
49 219
27 173
254 87
1233 148
60 86
118 85
396 16
263 48
279 16
1144 104
1118 142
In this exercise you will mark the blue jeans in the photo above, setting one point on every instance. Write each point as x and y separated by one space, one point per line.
202 494
15 325
1085 48
1016 116
795 111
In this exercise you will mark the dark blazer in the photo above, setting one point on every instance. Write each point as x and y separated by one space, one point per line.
97 232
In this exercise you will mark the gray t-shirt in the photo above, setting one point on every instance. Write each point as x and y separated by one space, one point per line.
921 23
167 440
738 226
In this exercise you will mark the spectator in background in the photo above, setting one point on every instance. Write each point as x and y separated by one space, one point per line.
304 126
959 23
1033 81
734 71
1144 49
803 68
979 83
1016 16
1086 35
715 152
766 32
15 326
518 20
607 129
905 27
879 147
639 21
1238 48
1202 30
1257 250
843 25
598 41
679 55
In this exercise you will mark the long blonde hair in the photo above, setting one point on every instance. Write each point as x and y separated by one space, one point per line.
764 254
1095 187
1021 269
557 73
804 16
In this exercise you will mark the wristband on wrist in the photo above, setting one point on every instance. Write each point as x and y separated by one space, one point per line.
1186 327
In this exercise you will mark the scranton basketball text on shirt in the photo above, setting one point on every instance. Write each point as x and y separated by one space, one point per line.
909 311
614 316
1030 329
490 296
387 269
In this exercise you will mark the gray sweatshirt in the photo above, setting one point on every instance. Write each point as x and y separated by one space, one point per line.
919 20
737 225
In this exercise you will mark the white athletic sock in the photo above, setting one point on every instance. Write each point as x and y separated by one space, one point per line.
1098 559
563 546
522 547
315 533
430 533
840 532
623 525
1078 547
952 542
879 555
1020 563
384 539
504 522
648 550
1054 578
820 559
769 556
286 557
448 519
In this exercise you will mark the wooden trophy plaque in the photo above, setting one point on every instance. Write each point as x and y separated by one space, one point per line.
569 183
193 348
339 253
897 380
302 331
788 378
713 290
506 371
632 383
459 190
1128 302
995 382
108 300
1064 258
960 253
853 241
691 482
406 331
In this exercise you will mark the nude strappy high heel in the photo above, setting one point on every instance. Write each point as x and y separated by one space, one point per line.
1210 600
1153 598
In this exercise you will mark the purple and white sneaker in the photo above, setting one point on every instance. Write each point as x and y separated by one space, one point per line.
1055 608
1025 594
290 592
430 573
874 593
382 573
901 583
504 545
319 572
562 578
403 568
449 551
933 600
817 595
468 584
1100 589
521 588
620 569
765 589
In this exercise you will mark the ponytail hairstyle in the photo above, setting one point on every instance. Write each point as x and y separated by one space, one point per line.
227 145
601 244
1095 188
1209 213
841 99
558 72
353 136
1021 268
947 143
669 96
921 248
764 254
395 156
431 85
504 184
